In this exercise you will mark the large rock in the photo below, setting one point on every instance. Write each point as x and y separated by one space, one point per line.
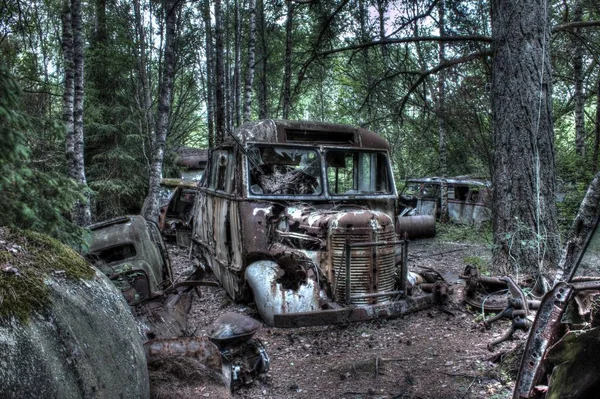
83 343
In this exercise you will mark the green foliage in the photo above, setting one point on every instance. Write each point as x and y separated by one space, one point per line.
32 257
31 198
451 232
480 263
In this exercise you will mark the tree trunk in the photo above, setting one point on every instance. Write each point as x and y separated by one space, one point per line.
164 105
210 74
597 127
441 114
579 98
144 81
237 68
73 105
219 75
365 37
101 29
524 221
287 74
69 93
263 93
250 59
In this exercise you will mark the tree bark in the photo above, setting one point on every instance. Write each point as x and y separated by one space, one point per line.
441 114
263 93
237 68
69 93
250 59
164 106
287 74
579 98
210 74
73 105
144 80
597 127
219 75
524 221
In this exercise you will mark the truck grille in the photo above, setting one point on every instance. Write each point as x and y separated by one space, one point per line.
371 268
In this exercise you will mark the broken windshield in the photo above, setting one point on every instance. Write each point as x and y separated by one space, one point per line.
357 172
284 171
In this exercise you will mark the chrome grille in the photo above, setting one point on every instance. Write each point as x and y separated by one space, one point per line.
368 274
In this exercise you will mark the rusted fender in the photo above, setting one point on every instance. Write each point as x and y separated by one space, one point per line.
272 298
200 348
231 328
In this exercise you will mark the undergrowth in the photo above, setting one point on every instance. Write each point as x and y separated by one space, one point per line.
451 232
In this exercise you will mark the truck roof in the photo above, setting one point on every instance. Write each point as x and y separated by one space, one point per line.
307 132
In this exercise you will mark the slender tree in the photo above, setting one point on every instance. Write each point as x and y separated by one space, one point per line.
210 73
73 103
441 114
237 68
263 88
287 74
219 75
578 95
171 8
250 59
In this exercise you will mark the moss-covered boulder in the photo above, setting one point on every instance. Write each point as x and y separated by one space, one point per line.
65 330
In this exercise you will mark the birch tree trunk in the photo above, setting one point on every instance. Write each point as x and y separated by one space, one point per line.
144 80
210 74
441 113
164 106
524 221
73 105
219 75
250 59
69 93
237 68
287 74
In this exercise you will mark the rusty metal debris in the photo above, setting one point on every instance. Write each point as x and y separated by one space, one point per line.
131 252
418 226
300 217
559 356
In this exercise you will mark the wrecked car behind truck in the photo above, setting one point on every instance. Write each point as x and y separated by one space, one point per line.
299 217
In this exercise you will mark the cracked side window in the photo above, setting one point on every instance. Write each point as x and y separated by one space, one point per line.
284 171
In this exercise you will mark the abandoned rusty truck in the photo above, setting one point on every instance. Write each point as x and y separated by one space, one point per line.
299 216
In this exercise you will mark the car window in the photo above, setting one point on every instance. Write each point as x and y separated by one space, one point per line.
284 171
357 172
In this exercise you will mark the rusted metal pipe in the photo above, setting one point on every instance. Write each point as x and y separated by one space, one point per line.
378 294
354 314
420 226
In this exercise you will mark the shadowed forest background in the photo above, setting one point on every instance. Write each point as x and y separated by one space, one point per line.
96 96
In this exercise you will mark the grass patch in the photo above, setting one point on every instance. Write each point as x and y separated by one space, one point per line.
26 259
451 232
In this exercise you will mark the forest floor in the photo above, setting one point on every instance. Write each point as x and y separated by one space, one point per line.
436 353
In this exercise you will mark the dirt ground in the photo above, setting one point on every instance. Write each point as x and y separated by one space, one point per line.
436 353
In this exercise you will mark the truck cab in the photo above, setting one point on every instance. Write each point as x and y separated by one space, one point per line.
299 216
